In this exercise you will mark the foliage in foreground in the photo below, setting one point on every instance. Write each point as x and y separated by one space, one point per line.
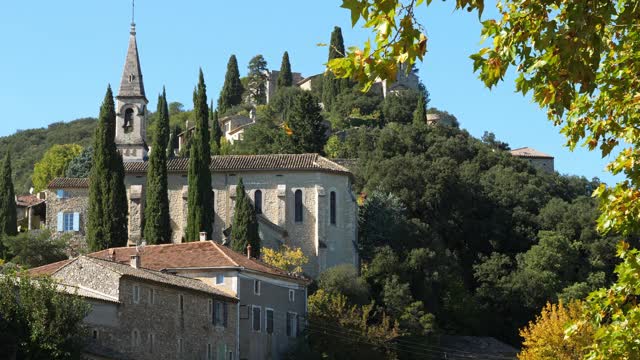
286 258
544 338
35 248
37 321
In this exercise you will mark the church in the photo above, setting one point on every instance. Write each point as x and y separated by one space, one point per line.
301 200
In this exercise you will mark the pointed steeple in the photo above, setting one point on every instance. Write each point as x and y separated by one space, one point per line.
131 84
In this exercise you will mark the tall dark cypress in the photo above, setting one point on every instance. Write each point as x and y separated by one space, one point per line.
107 224
332 87
231 93
306 124
157 223
8 216
285 78
216 131
200 198
420 114
244 230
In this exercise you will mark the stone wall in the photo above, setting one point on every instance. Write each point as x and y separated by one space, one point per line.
160 318
77 200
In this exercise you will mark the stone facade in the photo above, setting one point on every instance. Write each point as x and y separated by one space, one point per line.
163 321
73 200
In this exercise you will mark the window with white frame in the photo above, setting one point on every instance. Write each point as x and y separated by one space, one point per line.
256 287
292 324
68 221
136 294
220 313
292 295
256 318
219 279
268 320
61 194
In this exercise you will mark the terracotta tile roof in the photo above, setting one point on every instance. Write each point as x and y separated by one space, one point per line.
528 152
226 163
28 200
199 254
145 273
69 183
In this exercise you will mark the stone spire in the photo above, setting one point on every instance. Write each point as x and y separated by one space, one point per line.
131 84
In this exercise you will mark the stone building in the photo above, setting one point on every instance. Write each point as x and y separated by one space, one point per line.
302 200
273 303
138 313
536 158
272 82
31 211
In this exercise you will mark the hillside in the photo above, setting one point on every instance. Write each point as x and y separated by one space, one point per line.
28 146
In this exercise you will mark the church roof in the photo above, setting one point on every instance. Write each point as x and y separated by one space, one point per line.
273 162
528 152
131 84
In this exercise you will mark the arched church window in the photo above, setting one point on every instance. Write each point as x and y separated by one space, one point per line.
298 206
128 120
332 207
257 201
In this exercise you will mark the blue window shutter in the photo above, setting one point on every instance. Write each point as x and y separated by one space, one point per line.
76 221
60 221
60 194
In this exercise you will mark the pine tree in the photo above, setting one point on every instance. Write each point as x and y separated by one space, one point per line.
257 80
8 216
231 93
216 131
108 209
244 230
200 198
332 87
285 78
420 114
157 226
306 124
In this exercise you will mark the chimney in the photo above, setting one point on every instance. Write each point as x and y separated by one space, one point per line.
203 236
249 251
135 261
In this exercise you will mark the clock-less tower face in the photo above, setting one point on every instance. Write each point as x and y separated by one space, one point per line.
131 107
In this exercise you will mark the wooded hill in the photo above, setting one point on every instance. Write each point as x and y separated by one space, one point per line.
28 146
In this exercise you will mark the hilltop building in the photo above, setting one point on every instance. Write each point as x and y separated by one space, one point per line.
536 158
302 200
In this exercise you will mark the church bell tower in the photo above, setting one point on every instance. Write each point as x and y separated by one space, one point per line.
131 107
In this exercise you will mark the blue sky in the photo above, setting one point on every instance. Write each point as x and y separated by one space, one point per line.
59 56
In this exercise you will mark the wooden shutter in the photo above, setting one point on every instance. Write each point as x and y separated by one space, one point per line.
60 221
76 221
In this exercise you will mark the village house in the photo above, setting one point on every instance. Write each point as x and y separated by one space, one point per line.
139 313
536 158
31 211
273 303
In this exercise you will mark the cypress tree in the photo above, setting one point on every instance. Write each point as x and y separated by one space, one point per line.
244 230
108 208
216 131
200 199
332 87
232 89
8 216
306 123
285 78
420 114
157 225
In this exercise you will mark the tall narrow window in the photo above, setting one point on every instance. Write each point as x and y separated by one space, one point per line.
136 294
257 201
292 324
181 303
332 207
269 321
256 318
152 340
298 206
128 120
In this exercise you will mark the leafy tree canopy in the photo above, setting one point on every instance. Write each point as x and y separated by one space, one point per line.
54 163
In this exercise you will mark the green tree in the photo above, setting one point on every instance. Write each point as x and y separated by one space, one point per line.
244 230
306 123
157 222
343 279
332 87
35 248
80 166
200 197
400 106
108 208
420 113
285 78
232 89
54 163
216 131
257 80
38 321
8 216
